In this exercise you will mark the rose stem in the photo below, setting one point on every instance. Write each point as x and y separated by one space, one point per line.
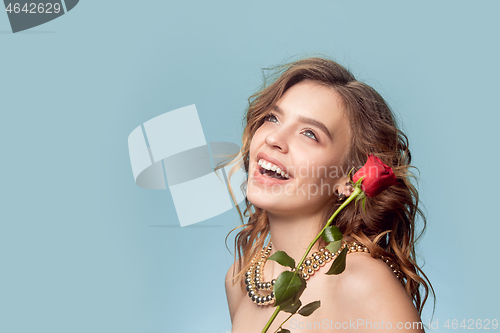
354 194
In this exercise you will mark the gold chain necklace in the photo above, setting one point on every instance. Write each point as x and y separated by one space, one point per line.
254 275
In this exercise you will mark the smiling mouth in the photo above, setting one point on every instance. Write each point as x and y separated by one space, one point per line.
271 174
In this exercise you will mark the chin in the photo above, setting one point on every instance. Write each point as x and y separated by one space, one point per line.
275 203
267 201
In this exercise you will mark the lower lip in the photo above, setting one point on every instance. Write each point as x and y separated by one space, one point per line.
260 178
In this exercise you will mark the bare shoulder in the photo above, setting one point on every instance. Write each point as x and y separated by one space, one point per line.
365 275
369 290
234 291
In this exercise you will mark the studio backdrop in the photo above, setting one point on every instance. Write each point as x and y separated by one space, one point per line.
114 114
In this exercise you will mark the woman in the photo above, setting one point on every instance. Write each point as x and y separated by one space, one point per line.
304 132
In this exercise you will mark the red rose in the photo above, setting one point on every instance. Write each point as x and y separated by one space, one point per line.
378 176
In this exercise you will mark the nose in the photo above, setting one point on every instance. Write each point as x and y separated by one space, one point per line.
277 139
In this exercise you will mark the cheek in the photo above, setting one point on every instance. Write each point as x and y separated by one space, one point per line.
258 138
255 139
259 134
326 171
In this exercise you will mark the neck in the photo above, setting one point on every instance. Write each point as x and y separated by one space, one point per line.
293 234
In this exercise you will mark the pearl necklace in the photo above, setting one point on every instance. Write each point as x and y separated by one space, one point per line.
311 264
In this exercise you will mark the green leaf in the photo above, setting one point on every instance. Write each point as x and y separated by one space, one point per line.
334 246
357 199
283 259
360 180
364 201
291 306
331 234
288 285
338 265
284 330
301 290
349 175
308 309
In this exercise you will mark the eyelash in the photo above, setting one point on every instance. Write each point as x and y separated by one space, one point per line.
266 118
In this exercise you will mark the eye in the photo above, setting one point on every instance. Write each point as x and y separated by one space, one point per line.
270 117
311 135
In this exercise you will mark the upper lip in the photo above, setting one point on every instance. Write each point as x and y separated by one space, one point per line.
273 161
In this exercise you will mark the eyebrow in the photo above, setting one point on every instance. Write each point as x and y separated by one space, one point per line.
306 120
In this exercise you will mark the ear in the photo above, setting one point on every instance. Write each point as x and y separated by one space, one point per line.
344 186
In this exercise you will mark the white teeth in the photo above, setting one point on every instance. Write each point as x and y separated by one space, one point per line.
269 166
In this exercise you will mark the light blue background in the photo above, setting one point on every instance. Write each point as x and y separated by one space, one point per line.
83 249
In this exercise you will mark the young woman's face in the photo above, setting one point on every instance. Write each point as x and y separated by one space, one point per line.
305 135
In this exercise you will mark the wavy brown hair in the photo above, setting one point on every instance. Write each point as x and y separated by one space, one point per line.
387 226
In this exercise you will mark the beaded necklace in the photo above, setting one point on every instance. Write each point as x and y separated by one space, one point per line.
254 275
